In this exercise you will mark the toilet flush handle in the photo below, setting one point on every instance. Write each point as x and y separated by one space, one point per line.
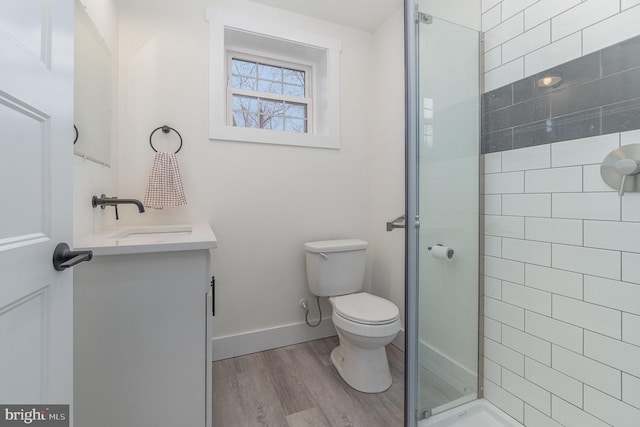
323 255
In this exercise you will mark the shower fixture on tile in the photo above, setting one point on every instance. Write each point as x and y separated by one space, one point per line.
621 169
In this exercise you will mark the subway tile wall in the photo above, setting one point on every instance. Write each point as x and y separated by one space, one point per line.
561 248
562 287
599 94
525 37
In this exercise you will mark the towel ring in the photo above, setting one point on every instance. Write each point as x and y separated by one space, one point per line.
77 134
165 129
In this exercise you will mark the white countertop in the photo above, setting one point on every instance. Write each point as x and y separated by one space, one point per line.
148 239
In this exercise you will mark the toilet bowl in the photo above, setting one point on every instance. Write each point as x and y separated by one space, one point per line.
361 358
365 323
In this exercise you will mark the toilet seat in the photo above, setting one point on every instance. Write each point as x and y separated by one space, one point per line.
366 309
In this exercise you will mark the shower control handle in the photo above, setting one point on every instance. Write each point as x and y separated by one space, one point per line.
620 169
626 167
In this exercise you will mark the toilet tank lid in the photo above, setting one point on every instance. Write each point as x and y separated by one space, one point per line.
336 245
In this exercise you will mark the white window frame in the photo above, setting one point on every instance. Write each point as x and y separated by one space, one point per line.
275 62
244 31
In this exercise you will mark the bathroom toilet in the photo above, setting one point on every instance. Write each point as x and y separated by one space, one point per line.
365 323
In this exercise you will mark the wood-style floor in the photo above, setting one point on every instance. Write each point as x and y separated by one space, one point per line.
297 386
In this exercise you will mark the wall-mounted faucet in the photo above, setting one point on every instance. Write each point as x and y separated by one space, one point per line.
103 201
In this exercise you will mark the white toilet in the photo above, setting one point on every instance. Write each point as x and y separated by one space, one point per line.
365 322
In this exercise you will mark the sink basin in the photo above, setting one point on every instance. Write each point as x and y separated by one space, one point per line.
149 239
160 231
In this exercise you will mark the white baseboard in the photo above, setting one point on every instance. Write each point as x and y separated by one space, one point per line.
266 339
443 366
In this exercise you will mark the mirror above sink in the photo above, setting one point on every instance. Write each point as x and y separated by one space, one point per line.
93 90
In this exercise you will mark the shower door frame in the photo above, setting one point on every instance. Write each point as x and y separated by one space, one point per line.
411 373
412 215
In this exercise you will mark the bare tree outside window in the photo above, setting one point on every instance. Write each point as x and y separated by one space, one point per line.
268 96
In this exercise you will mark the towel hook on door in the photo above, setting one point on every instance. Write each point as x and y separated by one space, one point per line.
165 129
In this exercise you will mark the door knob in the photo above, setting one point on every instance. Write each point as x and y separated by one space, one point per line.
64 257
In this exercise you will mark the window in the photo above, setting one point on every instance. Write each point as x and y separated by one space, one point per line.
268 94
272 84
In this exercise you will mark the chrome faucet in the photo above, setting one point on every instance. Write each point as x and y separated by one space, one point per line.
103 201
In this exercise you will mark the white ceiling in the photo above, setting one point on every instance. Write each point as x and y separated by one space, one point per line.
365 15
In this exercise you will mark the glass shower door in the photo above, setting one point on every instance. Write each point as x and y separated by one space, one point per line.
448 126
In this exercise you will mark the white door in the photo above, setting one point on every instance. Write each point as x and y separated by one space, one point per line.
36 139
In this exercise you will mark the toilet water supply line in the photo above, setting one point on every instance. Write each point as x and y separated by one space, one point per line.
304 305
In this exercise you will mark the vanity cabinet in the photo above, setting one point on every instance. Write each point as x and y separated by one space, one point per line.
142 340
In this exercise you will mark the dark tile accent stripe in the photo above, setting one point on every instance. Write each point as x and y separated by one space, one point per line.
621 116
599 94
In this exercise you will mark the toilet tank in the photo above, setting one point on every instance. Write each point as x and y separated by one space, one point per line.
335 267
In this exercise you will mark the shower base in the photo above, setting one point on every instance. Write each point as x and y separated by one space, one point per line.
479 413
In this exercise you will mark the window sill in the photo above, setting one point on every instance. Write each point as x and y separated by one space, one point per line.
232 133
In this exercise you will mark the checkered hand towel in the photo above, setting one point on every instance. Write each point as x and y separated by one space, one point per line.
165 185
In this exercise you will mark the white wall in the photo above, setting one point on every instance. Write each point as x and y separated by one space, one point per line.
104 15
387 190
263 201
562 291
